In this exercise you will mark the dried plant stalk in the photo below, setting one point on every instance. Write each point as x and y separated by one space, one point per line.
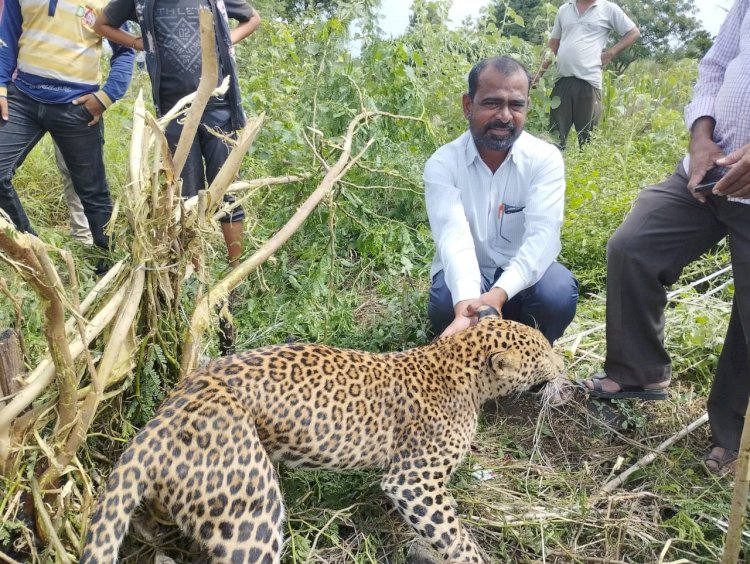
733 542
201 315
209 77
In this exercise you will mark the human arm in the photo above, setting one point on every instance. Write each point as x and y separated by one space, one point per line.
116 34
625 41
466 311
736 182
704 153
114 88
245 29
10 31
246 15
451 232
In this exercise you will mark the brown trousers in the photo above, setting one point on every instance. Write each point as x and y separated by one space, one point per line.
666 230
580 105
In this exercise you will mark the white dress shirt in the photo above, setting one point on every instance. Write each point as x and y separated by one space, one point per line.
473 232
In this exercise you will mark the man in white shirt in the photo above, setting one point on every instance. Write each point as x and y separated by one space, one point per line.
495 203
578 37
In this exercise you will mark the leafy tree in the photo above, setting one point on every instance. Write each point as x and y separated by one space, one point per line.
669 29
427 11
295 7
528 19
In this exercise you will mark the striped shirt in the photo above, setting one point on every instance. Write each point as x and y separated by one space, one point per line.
52 46
482 221
723 87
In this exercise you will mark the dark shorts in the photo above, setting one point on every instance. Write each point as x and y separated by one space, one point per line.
207 154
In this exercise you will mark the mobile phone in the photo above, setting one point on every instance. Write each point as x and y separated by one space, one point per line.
707 187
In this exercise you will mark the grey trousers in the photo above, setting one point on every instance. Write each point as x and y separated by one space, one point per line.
79 225
666 230
580 105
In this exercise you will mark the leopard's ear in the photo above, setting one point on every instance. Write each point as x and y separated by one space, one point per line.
506 361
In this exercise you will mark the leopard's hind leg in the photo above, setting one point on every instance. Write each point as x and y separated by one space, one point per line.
201 459
225 494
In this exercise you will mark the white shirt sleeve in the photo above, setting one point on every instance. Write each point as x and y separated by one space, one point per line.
450 230
714 64
556 32
620 21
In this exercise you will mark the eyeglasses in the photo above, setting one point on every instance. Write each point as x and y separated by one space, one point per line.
502 211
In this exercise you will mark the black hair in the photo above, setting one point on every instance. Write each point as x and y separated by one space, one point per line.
503 64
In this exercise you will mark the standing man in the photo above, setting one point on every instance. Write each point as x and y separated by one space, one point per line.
672 224
170 38
54 52
171 42
578 37
495 203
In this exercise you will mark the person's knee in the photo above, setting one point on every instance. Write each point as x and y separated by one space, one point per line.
624 242
560 298
555 302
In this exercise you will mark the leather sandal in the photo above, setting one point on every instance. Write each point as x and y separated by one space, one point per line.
625 391
720 465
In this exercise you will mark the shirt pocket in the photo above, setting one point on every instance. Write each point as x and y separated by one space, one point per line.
509 225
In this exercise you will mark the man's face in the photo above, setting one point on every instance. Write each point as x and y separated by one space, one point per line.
497 114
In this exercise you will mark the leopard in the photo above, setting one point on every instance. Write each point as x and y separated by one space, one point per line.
208 456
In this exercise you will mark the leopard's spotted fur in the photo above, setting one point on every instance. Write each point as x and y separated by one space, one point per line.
207 456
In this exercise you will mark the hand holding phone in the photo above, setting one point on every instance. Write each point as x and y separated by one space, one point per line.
707 187
709 181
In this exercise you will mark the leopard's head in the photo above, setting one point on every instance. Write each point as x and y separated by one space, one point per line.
516 358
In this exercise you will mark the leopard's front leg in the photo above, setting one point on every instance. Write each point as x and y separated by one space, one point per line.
416 482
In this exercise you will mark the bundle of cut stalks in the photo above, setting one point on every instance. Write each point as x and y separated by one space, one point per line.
45 419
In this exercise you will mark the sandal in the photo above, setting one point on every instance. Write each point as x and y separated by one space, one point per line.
625 392
720 464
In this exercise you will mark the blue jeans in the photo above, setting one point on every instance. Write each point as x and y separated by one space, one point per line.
549 305
81 146
206 146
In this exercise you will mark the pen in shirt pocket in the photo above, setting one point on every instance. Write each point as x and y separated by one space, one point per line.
504 208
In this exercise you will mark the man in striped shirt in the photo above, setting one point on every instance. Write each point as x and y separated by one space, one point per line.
672 224
50 82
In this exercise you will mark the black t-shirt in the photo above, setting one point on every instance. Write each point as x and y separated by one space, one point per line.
177 34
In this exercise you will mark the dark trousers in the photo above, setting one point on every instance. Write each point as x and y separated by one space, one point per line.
81 146
580 105
208 153
548 305
666 230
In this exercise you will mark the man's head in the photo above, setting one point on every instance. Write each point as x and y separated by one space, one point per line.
497 102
